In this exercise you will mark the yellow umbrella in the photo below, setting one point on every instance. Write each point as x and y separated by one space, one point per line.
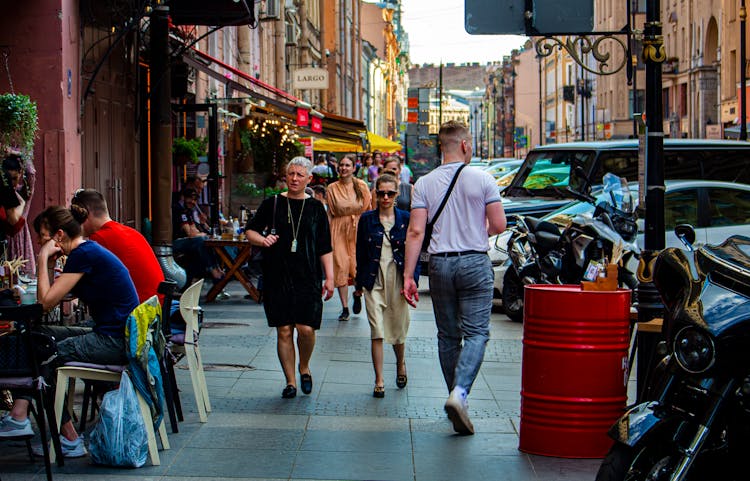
331 145
382 144
376 143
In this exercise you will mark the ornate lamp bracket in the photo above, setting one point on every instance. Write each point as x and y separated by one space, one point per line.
579 45
653 45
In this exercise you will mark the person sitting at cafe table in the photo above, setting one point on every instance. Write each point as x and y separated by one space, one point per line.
126 243
188 240
98 279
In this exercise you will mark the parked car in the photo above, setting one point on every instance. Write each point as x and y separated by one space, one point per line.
549 172
715 209
499 167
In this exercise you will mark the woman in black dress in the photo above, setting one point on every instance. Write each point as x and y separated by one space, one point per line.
292 228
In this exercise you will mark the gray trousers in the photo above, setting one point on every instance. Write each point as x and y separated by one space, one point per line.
461 293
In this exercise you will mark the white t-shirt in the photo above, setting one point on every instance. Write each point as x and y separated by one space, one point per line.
462 226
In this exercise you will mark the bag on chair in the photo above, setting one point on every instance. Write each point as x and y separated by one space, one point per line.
119 437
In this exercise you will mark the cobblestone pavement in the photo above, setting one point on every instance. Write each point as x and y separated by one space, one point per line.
339 432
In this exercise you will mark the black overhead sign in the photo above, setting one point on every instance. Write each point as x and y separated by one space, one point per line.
528 17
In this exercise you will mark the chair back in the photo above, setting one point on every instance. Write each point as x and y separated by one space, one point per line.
167 288
21 350
189 309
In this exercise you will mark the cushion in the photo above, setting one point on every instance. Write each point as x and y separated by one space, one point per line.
103 367
16 382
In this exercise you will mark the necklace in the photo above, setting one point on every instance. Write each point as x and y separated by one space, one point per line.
295 230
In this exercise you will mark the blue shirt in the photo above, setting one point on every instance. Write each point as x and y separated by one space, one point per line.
105 288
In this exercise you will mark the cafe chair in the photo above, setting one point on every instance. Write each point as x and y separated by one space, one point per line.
186 345
20 367
112 373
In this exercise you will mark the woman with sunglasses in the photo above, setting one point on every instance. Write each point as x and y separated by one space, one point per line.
381 236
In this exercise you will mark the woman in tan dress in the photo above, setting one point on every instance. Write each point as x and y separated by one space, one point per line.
347 199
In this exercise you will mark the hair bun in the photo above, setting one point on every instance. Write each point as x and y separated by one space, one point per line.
80 213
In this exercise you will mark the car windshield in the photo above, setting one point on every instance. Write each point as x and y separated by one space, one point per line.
564 214
548 172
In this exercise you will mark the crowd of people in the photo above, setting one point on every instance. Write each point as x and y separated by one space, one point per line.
362 224
359 231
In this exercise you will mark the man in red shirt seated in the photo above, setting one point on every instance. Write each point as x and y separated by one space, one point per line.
126 243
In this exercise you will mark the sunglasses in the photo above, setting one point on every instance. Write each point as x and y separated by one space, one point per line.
389 193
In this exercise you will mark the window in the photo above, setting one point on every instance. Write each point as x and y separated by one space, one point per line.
680 207
640 96
728 207
683 100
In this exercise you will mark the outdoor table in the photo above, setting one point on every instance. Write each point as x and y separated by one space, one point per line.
234 266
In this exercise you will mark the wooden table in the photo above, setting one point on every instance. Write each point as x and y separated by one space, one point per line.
234 266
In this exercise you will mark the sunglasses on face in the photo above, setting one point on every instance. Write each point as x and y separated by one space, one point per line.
390 193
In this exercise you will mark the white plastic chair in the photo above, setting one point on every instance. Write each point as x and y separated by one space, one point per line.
187 346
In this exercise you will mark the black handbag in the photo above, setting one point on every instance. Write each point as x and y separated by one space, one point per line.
424 256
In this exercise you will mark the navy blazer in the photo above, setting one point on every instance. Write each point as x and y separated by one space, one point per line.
370 242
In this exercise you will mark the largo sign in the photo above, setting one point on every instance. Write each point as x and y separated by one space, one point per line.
310 78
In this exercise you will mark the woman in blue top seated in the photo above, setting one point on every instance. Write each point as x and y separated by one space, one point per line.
381 236
96 277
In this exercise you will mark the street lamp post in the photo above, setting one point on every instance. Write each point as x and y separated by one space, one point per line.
649 302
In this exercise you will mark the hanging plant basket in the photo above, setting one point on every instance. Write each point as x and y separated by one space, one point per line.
18 123
186 151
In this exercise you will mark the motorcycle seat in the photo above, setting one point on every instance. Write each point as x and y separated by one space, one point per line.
538 225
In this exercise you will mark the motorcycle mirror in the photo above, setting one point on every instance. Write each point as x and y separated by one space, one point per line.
686 234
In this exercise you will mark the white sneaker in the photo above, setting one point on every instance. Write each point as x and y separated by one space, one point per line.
457 409
70 449
11 428
223 295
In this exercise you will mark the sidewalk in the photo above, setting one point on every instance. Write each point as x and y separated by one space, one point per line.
339 432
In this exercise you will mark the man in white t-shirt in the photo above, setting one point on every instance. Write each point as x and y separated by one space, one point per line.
461 277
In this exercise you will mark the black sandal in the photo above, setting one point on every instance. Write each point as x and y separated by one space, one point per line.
306 383
378 392
401 380
289 392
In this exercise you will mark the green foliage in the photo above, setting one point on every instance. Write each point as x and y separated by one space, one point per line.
246 186
189 149
272 144
18 122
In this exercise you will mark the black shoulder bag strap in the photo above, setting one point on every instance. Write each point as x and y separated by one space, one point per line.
431 224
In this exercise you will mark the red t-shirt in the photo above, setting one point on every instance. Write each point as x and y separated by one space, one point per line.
134 251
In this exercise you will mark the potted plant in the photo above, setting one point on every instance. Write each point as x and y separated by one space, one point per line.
18 123
188 150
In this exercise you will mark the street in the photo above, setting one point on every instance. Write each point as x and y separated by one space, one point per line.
339 431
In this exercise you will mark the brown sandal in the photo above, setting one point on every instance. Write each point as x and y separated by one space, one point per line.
378 392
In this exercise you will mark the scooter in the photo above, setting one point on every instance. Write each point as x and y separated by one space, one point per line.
695 423
541 252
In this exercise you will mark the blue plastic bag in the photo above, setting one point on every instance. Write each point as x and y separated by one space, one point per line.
119 437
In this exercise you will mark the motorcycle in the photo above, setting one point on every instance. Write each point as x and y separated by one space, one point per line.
540 252
695 422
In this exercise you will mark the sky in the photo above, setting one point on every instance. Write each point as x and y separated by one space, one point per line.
436 32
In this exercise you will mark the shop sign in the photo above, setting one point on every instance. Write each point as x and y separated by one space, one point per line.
303 117
310 78
308 143
316 124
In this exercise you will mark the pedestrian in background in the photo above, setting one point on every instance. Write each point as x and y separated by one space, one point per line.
292 229
347 198
460 271
407 177
381 237
392 165
374 170
362 172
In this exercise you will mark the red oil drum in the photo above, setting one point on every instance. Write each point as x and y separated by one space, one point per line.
574 369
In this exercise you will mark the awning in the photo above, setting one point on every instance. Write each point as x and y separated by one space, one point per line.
277 101
376 142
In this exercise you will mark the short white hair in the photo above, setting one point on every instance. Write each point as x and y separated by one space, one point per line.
301 162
